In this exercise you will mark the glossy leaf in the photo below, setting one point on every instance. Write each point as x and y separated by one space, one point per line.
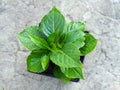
57 73
53 21
38 61
90 44
67 57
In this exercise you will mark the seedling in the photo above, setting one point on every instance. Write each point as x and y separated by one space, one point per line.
56 41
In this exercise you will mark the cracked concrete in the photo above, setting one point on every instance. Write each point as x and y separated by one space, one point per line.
101 67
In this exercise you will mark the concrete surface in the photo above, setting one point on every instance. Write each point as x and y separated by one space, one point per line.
101 68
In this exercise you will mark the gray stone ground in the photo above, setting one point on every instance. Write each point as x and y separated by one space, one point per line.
101 68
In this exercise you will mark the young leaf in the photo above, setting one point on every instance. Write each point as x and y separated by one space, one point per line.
53 21
61 40
73 72
62 37
25 39
57 73
67 57
38 61
75 26
52 38
90 44
41 43
44 61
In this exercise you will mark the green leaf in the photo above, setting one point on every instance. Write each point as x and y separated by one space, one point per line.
72 51
75 26
74 35
73 72
61 40
90 44
62 37
41 43
52 38
67 57
25 39
57 73
38 61
53 21
44 61
79 42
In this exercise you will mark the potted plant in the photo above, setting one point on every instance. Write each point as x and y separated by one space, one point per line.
56 47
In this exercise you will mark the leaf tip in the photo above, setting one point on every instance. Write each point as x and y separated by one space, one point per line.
54 7
83 78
